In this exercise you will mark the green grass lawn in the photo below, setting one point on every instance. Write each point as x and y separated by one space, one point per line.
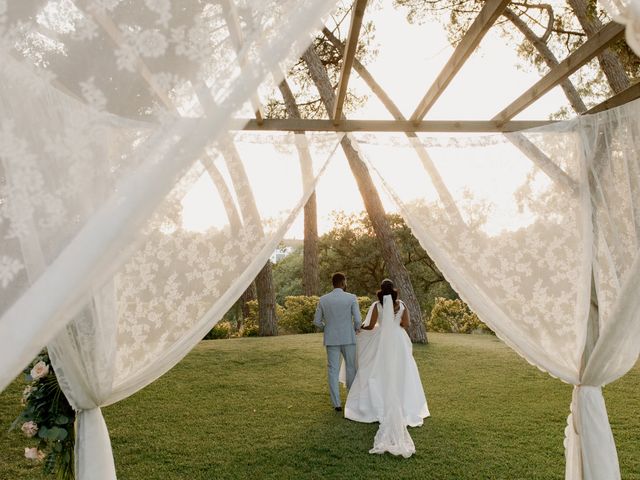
259 408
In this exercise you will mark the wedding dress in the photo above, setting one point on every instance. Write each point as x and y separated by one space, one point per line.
387 387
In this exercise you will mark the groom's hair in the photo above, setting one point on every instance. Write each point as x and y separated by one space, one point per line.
338 279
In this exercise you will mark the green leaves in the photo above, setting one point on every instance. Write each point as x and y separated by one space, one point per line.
62 420
45 404
53 433
454 316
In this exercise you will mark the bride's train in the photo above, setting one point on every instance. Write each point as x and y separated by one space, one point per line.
387 387
392 435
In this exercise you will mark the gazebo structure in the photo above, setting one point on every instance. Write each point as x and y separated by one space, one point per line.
501 122
113 109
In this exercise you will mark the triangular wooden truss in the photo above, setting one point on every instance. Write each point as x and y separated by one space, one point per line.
501 122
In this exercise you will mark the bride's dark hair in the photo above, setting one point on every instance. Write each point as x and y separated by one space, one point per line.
386 288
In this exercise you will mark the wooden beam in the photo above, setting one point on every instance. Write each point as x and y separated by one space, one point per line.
490 12
518 139
366 76
405 126
237 39
543 162
357 15
625 96
427 163
588 50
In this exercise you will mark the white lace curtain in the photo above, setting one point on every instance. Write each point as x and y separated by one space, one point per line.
188 270
115 118
626 12
520 224
115 128
105 107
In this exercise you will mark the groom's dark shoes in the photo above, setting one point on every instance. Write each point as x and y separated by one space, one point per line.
338 409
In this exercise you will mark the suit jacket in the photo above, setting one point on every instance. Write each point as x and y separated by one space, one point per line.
339 315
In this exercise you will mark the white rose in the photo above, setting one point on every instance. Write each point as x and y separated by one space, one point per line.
33 454
29 428
39 370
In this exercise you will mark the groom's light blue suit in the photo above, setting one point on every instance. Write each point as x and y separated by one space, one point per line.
338 315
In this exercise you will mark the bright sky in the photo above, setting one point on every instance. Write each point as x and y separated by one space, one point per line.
409 58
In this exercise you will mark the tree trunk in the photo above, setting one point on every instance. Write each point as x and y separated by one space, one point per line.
373 205
609 62
310 280
248 295
267 319
396 268
235 224
268 324
549 58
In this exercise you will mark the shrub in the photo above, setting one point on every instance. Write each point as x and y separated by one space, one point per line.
219 331
249 329
298 313
250 323
454 316
365 303
299 310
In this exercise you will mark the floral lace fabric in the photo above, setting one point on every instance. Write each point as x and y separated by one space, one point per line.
117 122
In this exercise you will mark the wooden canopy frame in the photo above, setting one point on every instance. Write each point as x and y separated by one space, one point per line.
501 122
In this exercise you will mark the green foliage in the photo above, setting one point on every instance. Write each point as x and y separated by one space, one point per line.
287 276
351 246
250 323
48 419
454 316
364 303
555 24
219 331
298 314
249 329
299 80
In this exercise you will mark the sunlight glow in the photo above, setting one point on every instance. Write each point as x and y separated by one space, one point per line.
409 59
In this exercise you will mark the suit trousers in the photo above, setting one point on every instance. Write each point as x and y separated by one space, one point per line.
348 352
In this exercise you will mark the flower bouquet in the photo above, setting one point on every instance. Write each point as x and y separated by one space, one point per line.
47 418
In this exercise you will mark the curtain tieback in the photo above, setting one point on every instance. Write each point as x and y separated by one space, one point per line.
94 458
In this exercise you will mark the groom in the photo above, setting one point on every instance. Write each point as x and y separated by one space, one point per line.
339 315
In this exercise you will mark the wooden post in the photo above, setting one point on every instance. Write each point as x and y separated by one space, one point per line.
611 32
357 13
490 12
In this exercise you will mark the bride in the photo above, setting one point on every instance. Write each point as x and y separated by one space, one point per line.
387 386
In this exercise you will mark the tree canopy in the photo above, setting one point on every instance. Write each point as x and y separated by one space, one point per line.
351 247
532 28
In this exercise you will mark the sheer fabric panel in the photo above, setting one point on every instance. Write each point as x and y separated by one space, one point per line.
626 12
518 223
612 141
190 268
104 101
513 240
